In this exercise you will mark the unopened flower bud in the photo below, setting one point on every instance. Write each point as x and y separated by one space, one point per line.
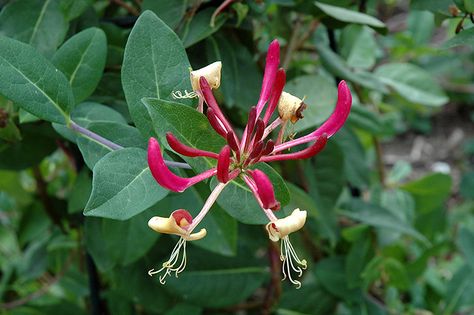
212 73
283 227
290 107
177 224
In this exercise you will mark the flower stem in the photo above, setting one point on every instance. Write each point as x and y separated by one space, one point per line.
207 206
114 146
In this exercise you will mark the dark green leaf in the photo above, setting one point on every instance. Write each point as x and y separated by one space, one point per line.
171 11
113 242
381 218
350 16
217 288
36 22
429 191
32 82
155 64
464 38
465 243
132 190
82 60
80 192
199 27
412 83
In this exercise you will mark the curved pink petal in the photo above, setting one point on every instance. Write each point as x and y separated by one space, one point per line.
265 190
310 151
215 122
271 68
275 96
330 126
212 103
183 149
223 164
164 176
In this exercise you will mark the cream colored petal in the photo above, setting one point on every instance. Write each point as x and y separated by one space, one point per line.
195 236
166 226
290 107
283 227
212 73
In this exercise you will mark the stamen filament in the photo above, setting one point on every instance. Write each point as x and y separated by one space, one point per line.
168 265
180 95
287 256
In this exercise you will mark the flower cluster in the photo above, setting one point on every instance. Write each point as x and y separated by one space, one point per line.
239 156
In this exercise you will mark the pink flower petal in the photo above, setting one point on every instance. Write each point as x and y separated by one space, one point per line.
223 164
183 149
215 122
265 190
275 96
164 176
271 67
212 103
314 149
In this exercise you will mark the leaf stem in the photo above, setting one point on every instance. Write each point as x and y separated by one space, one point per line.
114 146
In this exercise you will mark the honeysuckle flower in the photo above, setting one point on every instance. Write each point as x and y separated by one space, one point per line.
280 229
240 155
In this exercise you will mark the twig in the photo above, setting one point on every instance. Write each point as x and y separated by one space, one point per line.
130 9
219 10
49 281
113 146
41 187
292 44
380 163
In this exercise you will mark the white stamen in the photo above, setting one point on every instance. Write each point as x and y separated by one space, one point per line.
287 256
180 95
169 265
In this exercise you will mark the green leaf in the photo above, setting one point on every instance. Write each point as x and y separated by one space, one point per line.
74 8
350 16
331 273
171 11
321 101
132 191
464 38
39 23
412 83
337 66
465 243
124 135
365 119
155 64
358 46
38 141
80 192
467 185
82 60
188 125
199 28
460 290
114 243
241 78
429 191
238 201
355 160
381 218
217 288
357 257
32 82
184 309
302 301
